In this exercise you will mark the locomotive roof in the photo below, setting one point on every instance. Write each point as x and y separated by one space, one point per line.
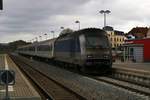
75 33
83 31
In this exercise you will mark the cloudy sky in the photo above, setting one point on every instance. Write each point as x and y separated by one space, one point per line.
27 19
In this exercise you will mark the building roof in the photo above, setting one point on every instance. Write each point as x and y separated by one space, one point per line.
108 28
135 30
118 32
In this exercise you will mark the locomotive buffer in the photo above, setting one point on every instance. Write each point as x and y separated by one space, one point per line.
7 77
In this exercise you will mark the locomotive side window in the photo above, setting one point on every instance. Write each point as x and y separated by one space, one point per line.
43 48
63 45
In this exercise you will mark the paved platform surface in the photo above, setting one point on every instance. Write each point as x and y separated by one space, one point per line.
22 90
144 67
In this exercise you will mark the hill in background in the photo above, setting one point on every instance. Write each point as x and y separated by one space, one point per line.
11 46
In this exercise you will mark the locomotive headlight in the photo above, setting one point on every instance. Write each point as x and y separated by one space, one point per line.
89 56
106 56
106 52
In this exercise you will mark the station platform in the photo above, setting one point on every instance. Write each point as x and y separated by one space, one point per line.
142 67
22 89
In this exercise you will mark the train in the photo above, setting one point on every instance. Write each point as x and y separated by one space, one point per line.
87 50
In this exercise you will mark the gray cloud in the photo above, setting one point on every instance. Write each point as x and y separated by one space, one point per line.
30 18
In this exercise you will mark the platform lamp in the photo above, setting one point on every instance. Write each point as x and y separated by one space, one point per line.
36 39
40 38
45 36
62 27
105 12
78 23
53 32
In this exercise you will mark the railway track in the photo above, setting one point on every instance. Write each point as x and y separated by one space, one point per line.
132 80
126 85
51 90
132 76
113 80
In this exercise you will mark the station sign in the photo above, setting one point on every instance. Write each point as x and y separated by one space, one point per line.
7 77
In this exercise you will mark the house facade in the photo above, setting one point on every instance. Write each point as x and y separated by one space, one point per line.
117 38
138 49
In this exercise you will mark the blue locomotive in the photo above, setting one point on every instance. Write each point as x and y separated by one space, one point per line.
87 50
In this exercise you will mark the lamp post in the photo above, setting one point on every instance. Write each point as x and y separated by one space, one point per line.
32 40
36 39
40 38
104 12
62 27
78 23
53 33
45 36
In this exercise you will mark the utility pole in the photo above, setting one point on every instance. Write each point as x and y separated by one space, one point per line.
53 33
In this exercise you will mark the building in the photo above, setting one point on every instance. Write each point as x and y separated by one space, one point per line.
116 38
137 50
139 32
148 33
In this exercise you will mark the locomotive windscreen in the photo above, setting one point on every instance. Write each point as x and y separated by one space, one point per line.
96 41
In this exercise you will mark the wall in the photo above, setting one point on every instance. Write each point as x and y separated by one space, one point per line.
146 43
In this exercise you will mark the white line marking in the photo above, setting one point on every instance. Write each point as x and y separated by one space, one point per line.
6 64
10 89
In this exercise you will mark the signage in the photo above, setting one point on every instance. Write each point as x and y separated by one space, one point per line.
7 77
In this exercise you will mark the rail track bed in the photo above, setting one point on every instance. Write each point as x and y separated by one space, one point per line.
51 90
127 85
134 80
133 76
85 87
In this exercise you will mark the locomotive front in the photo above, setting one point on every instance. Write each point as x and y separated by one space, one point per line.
95 49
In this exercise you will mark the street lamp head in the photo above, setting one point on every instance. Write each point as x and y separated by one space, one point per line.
107 11
52 31
62 27
102 11
77 21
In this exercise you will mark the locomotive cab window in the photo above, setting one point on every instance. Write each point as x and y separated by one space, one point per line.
96 41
